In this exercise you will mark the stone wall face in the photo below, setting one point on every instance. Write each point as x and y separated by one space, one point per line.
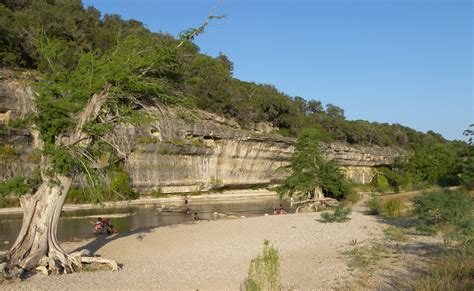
203 154
18 157
189 151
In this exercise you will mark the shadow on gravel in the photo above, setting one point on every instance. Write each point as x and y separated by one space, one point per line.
399 279
101 239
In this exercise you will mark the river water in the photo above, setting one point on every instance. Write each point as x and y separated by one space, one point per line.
75 225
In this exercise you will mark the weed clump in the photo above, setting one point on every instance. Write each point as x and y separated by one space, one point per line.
340 214
375 205
393 233
264 270
392 208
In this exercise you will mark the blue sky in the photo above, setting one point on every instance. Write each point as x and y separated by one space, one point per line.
405 61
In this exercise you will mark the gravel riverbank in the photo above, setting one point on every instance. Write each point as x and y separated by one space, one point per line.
215 255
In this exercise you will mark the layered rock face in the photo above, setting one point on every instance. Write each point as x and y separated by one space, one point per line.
175 155
17 156
185 151
181 155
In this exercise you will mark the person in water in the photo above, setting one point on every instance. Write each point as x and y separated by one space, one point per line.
103 225
97 225
195 216
282 210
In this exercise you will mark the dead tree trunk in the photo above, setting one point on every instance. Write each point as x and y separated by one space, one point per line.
37 244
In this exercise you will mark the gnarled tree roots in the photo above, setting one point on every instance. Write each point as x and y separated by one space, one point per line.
55 263
314 205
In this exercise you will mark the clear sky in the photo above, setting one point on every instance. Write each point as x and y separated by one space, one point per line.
396 61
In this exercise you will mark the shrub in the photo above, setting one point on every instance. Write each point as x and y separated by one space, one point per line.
118 189
392 208
467 173
19 185
120 184
264 270
340 214
374 204
445 208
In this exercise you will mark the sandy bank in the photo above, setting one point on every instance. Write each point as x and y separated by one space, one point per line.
214 255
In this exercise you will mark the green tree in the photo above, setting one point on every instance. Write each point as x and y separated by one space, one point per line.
311 172
467 173
335 112
315 106
83 94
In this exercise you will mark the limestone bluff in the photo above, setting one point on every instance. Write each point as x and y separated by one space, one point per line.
184 151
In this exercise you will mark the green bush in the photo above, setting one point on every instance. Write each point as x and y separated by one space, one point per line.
392 208
118 189
264 270
340 214
374 204
467 173
120 185
439 209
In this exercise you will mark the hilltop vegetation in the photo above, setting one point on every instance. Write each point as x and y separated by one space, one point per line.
77 50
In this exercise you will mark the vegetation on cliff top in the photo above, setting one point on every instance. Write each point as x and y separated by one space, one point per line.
31 29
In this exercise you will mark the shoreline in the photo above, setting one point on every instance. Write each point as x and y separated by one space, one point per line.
232 196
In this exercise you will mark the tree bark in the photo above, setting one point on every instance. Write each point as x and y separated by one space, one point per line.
37 244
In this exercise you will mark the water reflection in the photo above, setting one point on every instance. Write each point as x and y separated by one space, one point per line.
75 225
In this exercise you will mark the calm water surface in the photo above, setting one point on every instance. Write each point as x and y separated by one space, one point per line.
75 225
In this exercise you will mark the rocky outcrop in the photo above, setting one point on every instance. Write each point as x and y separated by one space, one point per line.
187 150
17 156
181 155
16 98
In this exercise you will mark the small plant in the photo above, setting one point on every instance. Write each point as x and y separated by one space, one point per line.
353 242
375 205
8 151
264 270
392 208
366 257
340 214
393 233
177 141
